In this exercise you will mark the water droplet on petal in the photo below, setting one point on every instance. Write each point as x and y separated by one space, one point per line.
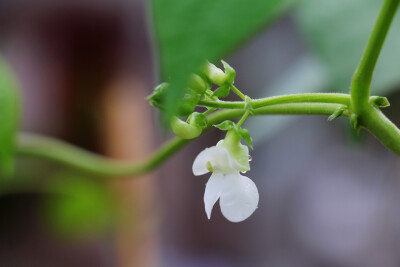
250 158
244 172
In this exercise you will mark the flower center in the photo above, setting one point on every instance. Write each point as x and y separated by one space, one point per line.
209 166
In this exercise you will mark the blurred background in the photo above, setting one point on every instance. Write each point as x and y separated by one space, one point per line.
327 196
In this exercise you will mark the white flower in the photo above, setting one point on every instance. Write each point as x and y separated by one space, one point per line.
238 194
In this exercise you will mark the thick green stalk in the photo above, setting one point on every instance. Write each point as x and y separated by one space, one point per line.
361 82
381 127
30 145
343 99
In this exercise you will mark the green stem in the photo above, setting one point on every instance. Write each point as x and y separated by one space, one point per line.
244 117
343 99
209 111
382 128
30 145
360 86
237 91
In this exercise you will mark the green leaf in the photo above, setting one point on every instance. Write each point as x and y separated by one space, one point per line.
9 118
338 31
245 134
190 32
222 91
225 125
79 208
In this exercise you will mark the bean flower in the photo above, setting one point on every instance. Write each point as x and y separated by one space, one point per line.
237 194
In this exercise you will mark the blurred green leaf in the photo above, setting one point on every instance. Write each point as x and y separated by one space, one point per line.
80 207
192 31
9 118
338 32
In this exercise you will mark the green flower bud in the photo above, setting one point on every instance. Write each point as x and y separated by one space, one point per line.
189 102
198 84
214 74
158 95
185 130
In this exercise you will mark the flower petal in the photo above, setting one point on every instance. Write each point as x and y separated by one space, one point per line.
214 188
219 158
239 198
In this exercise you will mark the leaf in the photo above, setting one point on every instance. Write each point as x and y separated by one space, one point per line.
225 125
222 91
9 118
79 208
338 31
190 32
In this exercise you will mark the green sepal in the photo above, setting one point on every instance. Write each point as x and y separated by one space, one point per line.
338 112
222 91
230 73
379 101
231 126
208 95
245 134
198 120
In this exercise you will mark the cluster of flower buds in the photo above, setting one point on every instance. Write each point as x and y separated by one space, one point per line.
199 88
238 195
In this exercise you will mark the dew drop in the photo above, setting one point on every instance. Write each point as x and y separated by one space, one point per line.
244 172
250 158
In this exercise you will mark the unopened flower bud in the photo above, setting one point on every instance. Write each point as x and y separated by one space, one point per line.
198 84
216 75
185 130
